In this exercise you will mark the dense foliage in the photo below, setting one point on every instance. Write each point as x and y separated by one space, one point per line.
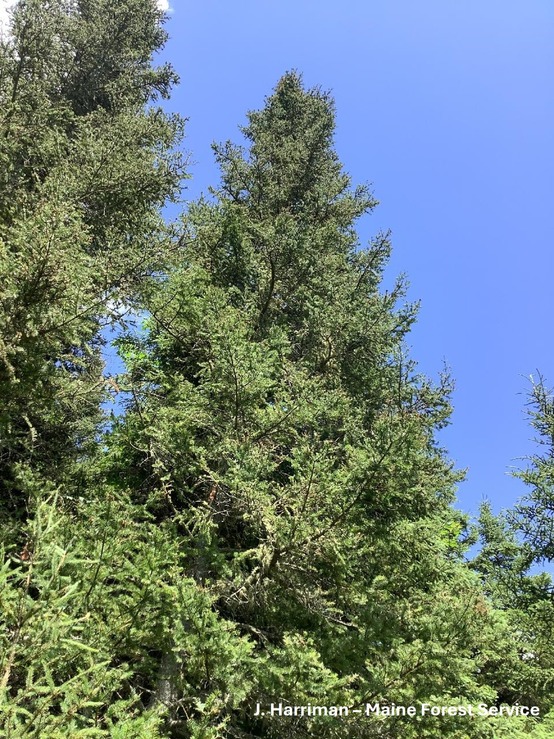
85 167
269 517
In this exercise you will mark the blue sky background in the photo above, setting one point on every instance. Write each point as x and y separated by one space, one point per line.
447 109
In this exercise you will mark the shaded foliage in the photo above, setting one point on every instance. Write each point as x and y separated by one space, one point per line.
85 167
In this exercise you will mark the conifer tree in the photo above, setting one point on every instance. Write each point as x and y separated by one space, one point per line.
85 163
534 516
278 427
513 547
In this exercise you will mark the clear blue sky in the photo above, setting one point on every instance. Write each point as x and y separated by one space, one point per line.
447 108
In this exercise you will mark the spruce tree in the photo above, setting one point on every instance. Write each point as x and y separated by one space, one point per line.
278 427
86 161
514 548
534 516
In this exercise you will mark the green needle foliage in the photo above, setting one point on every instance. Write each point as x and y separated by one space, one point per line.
534 516
269 519
86 161
512 545
276 422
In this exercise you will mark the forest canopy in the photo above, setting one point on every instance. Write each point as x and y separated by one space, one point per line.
269 518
